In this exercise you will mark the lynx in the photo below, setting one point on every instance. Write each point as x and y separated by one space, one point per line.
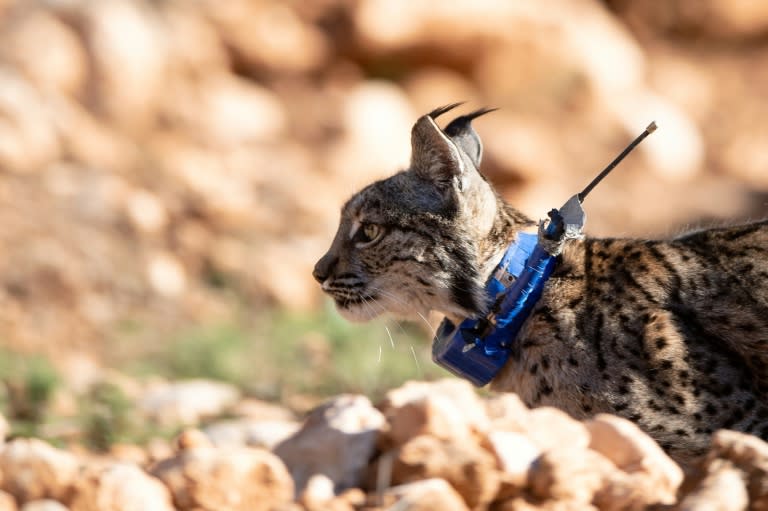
671 334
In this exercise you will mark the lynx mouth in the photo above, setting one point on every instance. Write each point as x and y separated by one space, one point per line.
355 301
358 308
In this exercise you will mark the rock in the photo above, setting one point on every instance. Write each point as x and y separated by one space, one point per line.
192 438
226 111
235 479
721 489
120 487
28 140
32 469
515 454
186 402
262 410
269 36
166 274
128 453
747 453
194 47
634 452
317 493
129 53
550 429
337 440
251 432
469 469
384 144
425 495
146 212
44 505
88 140
505 410
571 474
447 409
62 67
7 502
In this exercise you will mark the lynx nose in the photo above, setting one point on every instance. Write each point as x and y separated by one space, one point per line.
324 267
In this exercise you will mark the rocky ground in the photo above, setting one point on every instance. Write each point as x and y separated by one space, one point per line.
169 162
426 446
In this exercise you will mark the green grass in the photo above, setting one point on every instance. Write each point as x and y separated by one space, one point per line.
274 355
278 354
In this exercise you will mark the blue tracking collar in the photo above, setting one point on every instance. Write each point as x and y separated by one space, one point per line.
479 348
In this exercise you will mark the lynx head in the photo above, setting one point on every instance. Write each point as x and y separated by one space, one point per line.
421 240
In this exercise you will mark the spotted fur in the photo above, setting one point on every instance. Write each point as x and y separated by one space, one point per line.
671 334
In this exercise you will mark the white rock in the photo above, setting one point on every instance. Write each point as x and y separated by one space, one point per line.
377 119
120 487
166 275
44 505
337 439
227 111
186 402
146 211
254 433
129 52
7 502
633 451
60 66
318 492
515 452
28 139
32 469
233 479
425 495
447 408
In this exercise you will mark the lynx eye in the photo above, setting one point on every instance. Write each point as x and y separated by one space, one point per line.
368 233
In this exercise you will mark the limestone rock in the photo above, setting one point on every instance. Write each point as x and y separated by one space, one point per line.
251 432
383 145
318 493
120 487
722 489
269 36
28 140
747 453
515 454
235 479
62 67
425 495
44 505
129 53
7 502
571 474
550 429
448 409
32 469
337 440
186 402
634 452
227 111
469 469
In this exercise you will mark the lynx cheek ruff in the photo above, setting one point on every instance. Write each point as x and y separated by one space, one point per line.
478 348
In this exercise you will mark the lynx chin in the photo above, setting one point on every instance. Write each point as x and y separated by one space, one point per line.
671 334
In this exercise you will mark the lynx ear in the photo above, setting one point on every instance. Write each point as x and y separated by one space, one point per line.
465 137
433 154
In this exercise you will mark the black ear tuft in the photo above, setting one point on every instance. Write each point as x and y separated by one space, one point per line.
442 109
465 137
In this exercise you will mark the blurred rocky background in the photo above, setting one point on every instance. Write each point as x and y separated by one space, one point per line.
171 169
